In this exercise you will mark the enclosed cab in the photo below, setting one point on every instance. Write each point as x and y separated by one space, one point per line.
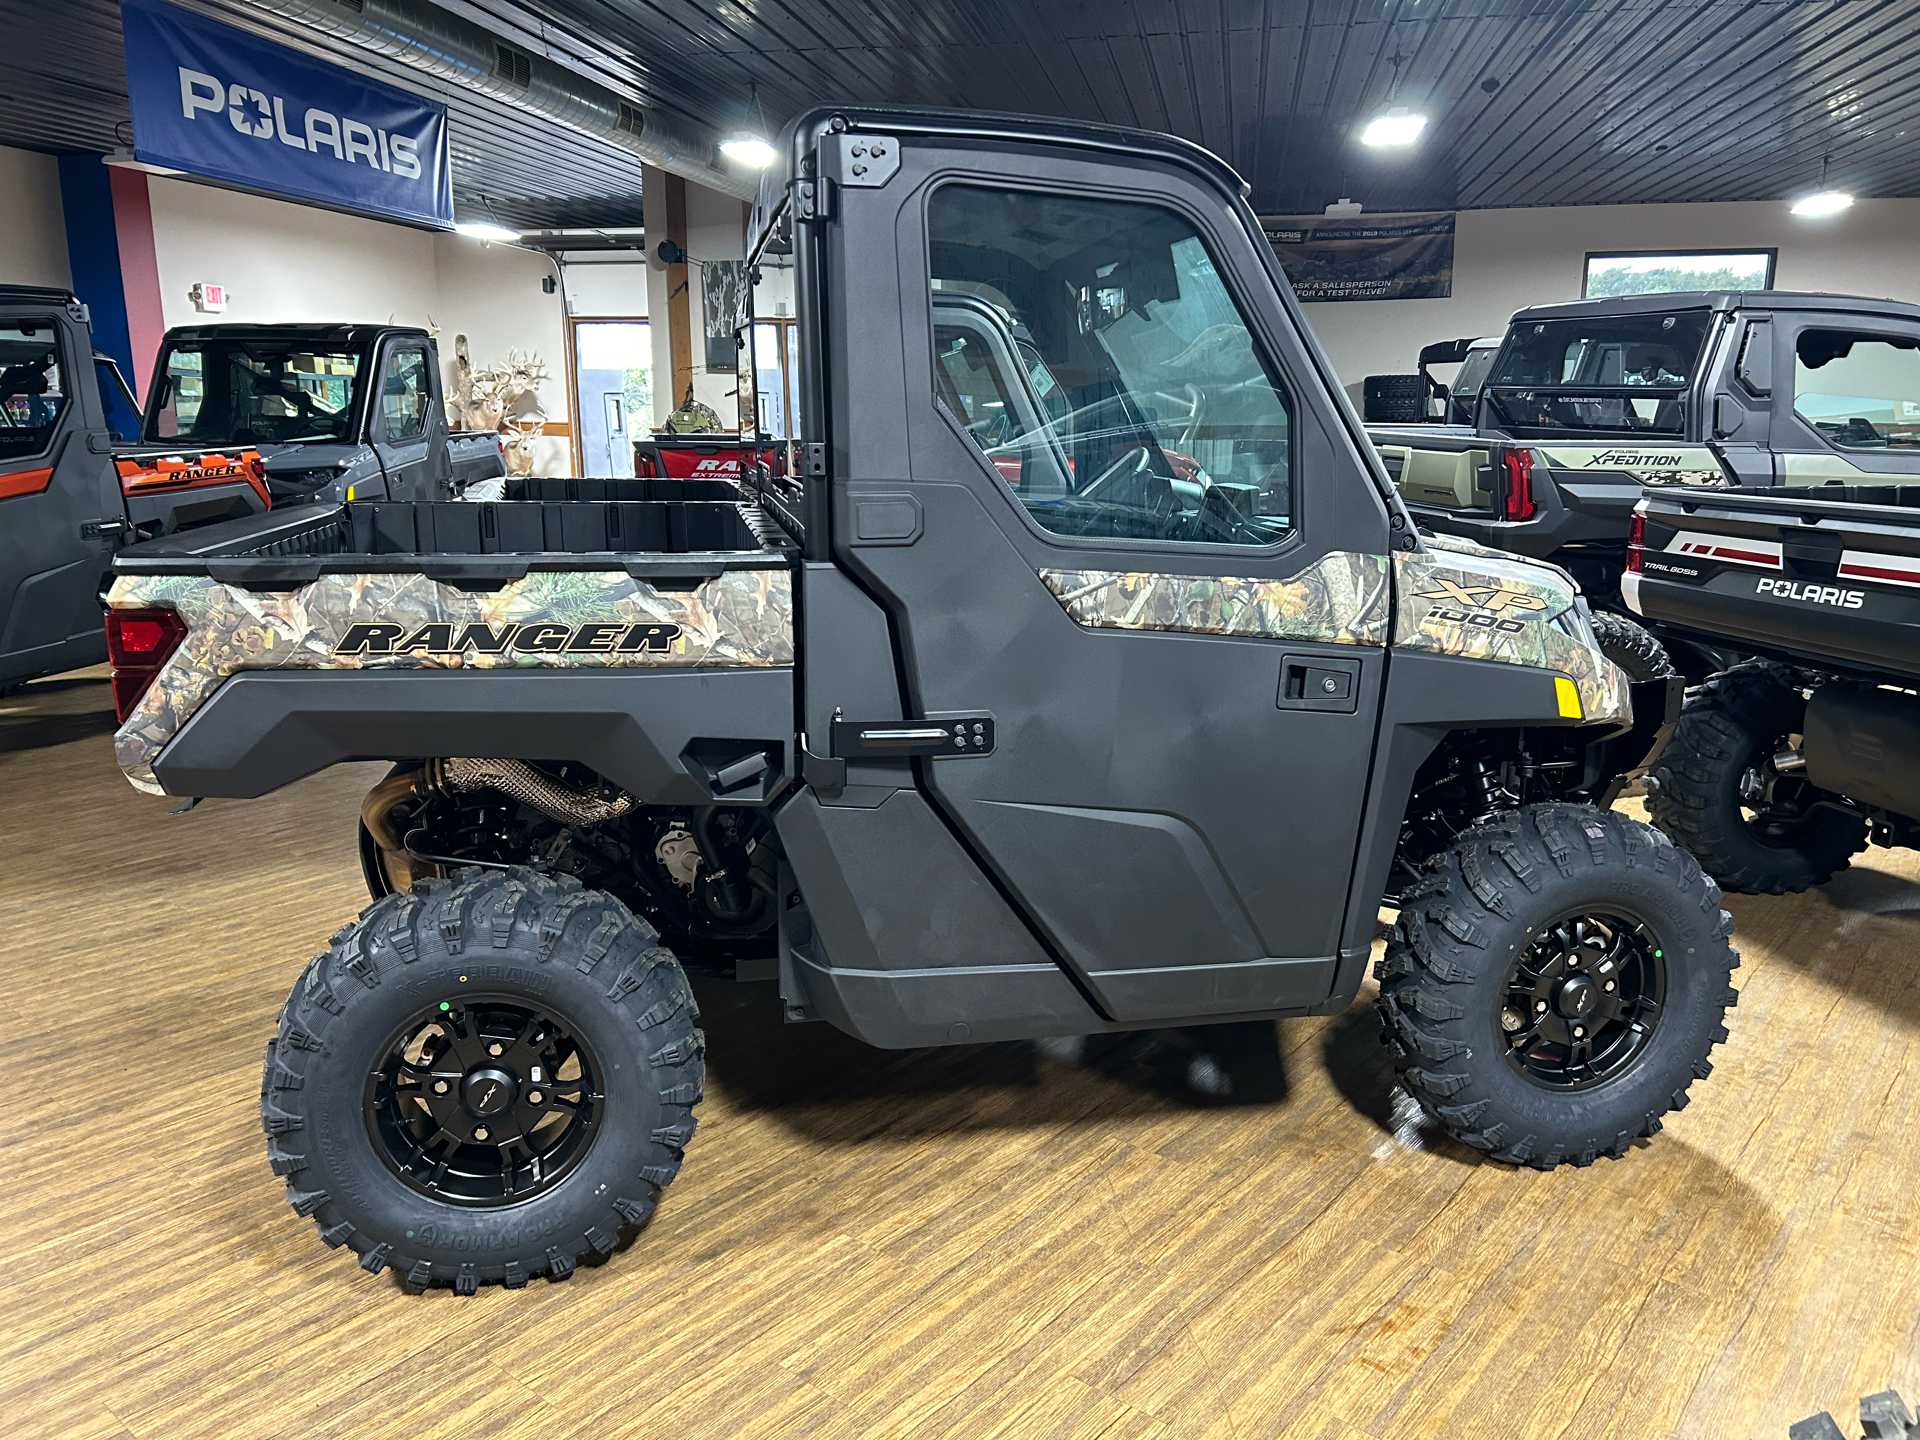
1118 696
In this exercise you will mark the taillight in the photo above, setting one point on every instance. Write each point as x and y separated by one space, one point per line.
140 641
644 468
1517 496
257 468
1636 539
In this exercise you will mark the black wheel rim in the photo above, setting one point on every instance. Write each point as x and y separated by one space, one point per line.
484 1101
1583 1000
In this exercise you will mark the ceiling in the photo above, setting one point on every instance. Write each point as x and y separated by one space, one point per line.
1533 102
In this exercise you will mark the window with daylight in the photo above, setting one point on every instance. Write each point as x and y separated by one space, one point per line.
1661 272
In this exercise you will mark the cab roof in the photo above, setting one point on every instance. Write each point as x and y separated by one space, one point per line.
962 125
1723 301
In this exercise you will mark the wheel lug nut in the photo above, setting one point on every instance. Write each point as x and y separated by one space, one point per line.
1579 1032
496 1048
1607 986
440 1087
534 1097
480 1132
1539 1004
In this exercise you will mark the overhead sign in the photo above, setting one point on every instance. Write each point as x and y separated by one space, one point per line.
212 100
1384 257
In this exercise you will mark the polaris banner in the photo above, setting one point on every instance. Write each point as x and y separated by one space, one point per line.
215 101
1385 257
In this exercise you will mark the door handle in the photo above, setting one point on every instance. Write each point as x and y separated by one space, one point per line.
898 739
1313 682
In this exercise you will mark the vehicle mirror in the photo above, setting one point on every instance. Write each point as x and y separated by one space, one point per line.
1755 366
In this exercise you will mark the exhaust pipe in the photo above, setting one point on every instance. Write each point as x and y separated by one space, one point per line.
514 779
424 37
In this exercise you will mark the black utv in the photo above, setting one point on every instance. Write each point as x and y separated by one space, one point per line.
1133 722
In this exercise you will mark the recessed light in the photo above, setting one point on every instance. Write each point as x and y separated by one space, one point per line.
484 230
1399 126
747 148
1824 202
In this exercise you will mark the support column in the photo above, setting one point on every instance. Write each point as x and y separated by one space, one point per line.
110 252
679 294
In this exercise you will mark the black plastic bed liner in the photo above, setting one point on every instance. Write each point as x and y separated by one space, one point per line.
457 540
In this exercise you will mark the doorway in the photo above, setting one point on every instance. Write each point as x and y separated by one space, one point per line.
613 387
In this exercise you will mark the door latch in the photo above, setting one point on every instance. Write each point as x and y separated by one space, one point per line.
904 739
102 529
1311 682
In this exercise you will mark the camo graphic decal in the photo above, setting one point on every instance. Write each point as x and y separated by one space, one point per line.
1454 597
569 620
1341 599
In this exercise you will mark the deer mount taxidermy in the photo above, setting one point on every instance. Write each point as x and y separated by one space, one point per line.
503 398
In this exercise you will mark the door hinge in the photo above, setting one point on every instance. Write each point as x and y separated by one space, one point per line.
815 452
812 201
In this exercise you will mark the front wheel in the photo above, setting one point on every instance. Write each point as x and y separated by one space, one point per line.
1555 982
483 1081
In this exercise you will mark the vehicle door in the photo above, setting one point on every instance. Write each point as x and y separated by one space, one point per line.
1170 658
407 428
1846 399
59 497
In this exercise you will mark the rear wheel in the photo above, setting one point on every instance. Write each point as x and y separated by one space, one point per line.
484 1081
1555 982
1720 789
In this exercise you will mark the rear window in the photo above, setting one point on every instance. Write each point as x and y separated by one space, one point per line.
32 396
1610 373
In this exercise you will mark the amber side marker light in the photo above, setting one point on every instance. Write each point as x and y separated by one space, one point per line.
140 641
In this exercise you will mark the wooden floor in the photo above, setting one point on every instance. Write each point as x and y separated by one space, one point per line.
973 1242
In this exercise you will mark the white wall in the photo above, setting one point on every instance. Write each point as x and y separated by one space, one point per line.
1506 259
33 235
616 288
287 262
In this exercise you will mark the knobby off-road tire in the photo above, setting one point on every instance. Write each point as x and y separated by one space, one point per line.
1628 645
553 1005
1488 913
1733 725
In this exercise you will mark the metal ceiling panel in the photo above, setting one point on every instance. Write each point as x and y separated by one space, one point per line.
1592 101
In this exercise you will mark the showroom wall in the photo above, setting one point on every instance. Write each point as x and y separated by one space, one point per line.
33 239
1504 259
281 261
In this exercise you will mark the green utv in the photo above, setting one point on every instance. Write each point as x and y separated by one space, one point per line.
963 729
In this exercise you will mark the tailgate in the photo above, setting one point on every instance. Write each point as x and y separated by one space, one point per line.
1812 580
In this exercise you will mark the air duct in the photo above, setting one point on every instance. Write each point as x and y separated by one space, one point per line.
424 37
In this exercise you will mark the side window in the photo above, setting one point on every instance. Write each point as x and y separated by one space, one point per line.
1091 351
404 395
32 397
1861 392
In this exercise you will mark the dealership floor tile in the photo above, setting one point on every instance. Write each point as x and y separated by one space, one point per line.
1003 1240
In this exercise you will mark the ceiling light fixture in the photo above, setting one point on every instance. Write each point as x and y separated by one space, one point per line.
1823 201
485 230
747 148
1399 126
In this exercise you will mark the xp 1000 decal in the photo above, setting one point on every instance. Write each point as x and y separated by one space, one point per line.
1454 597
566 619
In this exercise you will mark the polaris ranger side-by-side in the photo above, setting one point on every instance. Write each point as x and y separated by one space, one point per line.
1588 405
1782 768
959 746
239 417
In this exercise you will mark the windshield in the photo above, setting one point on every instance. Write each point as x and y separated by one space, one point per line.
1556 376
235 391
1473 370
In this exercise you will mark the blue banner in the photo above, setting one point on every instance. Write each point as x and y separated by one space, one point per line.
212 100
